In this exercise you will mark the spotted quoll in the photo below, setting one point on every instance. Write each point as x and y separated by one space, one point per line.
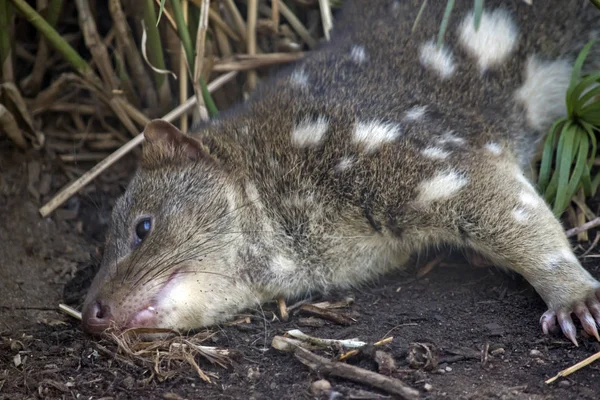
375 146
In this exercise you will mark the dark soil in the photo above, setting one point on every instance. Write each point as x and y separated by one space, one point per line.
457 310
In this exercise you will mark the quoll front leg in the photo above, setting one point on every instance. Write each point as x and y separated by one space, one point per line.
499 214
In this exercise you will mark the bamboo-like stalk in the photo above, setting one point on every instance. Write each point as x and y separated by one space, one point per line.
32 83
59 44
6 70
83 180
237 18
156 54
186 41
94 43
184 66
132 55
251 39
275 16
297 25
199 61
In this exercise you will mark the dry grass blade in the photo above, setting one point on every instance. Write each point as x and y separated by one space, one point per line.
251 39
77 185
11 128
243 62
297 25
326 17
574 368
199 62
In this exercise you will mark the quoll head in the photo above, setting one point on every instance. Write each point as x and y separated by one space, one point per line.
170 254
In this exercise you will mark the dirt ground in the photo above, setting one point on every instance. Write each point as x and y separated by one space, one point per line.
458 310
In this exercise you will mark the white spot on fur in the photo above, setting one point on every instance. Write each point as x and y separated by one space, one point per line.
543 92
299 78
442 186
520 215
310 132
521 178
493 148
373 134
528 199
435 153
280 264
495 39
561 256
344 164
415 113
439 59
358 54
451 138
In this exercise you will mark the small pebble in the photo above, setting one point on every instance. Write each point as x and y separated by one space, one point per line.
535 353
253 374
442 371
498 351
564 384
320 386
448 369
428 387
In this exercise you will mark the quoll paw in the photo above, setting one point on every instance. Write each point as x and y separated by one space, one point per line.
587 311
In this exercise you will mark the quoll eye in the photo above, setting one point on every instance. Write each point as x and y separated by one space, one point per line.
142 229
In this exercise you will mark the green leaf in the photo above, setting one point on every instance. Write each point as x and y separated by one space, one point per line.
445 21
580 88
565 160
160 11
419 15
477 11
576 73
548 155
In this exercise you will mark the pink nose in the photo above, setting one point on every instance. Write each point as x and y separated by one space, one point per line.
96 317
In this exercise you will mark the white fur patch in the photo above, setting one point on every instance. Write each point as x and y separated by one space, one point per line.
344 164
310 132
439 59
280 264
373 134
493 148
415 113
543 92
358 54
299 78
442 186
521 178
451 138
528 199
561 256
436 153
493 42
520 215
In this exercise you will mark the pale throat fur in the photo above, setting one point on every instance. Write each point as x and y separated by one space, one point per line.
375 146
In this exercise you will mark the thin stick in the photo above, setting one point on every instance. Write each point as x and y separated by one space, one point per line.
84 179
199 62
183 77
297 25
243 62
275 14
585 227
326 17
335 368
574 368
326 314
251 39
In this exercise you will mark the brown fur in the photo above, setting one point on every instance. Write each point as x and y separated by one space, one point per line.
250 215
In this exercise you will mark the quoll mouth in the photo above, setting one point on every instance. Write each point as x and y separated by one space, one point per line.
101 314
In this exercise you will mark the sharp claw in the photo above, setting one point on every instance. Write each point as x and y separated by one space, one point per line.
587 321
566 324
594 307
548 321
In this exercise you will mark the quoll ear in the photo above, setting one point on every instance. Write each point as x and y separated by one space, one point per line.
167 144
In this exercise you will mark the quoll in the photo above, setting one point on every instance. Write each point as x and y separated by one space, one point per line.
375 146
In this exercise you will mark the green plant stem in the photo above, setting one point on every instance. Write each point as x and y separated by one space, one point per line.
56 41
186 41
5 18
54 9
